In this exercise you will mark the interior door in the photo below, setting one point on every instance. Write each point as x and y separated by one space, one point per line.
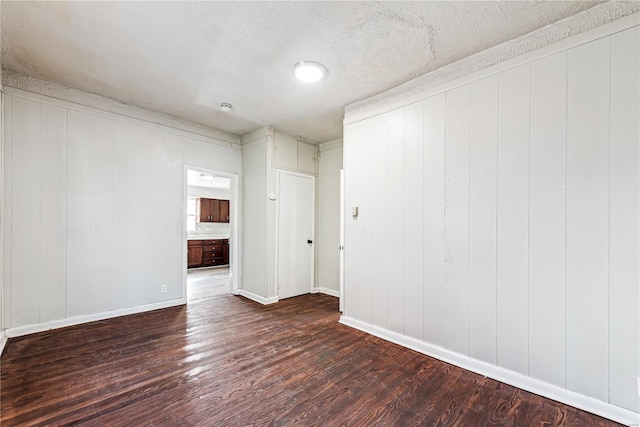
295 234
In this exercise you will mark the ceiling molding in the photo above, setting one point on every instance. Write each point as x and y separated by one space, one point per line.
298 137
419 87
330 145
48 89
261 132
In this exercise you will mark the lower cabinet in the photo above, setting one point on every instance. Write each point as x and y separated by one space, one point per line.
207 253
194 255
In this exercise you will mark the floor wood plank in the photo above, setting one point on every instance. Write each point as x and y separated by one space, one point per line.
224 360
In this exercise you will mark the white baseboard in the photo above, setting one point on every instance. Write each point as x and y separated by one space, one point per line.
76 320
327 291
257 298
501 374
3 341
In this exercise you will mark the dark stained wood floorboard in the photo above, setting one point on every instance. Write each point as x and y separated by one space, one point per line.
227 361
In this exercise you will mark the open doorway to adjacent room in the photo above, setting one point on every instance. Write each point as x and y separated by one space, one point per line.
210 229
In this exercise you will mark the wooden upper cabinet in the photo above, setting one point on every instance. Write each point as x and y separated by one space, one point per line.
215 210
203 210
224 211
212 210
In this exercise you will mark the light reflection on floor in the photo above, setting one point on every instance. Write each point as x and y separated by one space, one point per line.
207 282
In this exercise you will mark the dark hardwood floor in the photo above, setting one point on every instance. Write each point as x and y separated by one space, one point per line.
227 361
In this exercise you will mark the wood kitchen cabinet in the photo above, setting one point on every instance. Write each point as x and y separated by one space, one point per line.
225 253
194 253
212 210
207 253
224 210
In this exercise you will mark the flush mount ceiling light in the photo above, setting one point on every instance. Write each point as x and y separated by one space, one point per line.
226 107
309 71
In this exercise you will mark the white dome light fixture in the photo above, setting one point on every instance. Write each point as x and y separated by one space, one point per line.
309 71
225 107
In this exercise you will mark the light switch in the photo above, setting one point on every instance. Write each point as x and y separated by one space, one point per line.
354 211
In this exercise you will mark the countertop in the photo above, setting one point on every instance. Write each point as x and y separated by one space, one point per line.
207 236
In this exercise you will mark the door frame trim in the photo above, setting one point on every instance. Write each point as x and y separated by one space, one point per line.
234 226
341 247
279 173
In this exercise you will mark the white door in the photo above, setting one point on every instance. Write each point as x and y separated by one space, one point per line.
295 234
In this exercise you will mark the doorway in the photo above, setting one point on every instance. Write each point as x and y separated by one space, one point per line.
295 233
211 229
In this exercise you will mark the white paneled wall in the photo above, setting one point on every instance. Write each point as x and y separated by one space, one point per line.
265 151
3 338
93 210
483 187
327 267
380 217
547 213
587 238
499 220
254 190
433 201
624 211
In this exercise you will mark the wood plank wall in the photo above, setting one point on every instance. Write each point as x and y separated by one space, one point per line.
93 215
499 219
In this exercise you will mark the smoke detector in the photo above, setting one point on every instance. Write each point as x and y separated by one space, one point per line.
226 107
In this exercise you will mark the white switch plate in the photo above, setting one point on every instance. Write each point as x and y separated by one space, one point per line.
163 289
354 211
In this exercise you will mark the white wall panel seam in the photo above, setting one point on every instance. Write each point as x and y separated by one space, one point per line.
386 196
609 239
529 233
7 306
66 217
404 221
91 267
423 217
39 197
469 142
113 199
497 205
268 158
7 316
566 191
444 203
372 264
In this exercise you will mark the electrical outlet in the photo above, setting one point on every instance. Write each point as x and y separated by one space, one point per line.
163 289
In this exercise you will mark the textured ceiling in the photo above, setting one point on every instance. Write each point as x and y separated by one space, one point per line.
185 58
